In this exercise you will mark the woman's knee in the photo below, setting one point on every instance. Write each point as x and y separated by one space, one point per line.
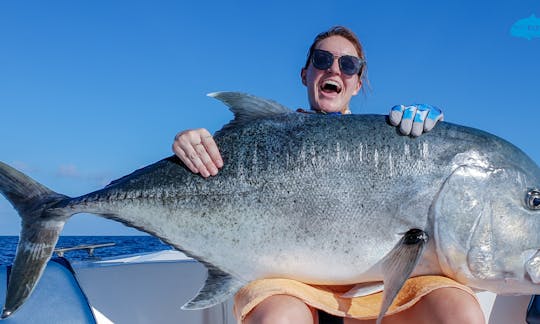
281 309
451 305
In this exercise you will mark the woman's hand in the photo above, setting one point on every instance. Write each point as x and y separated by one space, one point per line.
415 119
198 150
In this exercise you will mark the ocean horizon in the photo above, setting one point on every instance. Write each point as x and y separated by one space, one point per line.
123 245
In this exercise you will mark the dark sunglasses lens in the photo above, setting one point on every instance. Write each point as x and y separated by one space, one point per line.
349 65
322 60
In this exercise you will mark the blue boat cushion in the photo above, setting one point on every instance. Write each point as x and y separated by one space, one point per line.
57 298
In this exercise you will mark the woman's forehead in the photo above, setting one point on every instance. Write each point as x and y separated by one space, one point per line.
337 45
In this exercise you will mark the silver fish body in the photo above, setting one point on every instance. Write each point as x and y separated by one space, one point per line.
322 199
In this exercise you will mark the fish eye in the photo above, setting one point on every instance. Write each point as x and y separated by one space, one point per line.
533 199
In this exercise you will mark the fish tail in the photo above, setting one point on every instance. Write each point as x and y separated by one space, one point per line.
41 227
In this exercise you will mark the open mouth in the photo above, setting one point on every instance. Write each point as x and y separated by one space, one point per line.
330 86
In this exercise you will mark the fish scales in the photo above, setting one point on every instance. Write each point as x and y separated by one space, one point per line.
250 196
299 192
307 203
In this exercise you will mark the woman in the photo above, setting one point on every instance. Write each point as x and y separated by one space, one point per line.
334 72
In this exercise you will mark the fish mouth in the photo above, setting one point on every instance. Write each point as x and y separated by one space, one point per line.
532 267
330 86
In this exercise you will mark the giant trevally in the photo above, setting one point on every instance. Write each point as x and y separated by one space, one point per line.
299 192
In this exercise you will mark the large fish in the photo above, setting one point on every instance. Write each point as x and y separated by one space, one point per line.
317 198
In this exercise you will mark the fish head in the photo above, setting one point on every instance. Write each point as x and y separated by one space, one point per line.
487 226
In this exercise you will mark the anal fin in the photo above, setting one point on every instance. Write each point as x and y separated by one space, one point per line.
219 287
399 264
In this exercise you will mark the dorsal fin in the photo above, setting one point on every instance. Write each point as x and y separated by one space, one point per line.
247 108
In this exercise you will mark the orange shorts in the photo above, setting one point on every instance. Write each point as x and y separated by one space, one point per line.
328 298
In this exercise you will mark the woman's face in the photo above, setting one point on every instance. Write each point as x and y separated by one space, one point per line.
331 90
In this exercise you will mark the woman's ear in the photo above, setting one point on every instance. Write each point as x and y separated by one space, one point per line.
303 76
358 87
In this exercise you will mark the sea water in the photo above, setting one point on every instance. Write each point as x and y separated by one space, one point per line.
124 245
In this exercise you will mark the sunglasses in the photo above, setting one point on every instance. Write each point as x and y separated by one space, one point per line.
348 64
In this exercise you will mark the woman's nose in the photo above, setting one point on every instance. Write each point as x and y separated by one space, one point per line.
334 68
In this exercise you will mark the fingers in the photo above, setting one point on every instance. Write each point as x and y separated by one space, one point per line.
211 148
396 113
435 115
418 121
199 152
181 147
403 116
407 121
415 119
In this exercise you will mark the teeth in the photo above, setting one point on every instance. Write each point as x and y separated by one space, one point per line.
331 82
331 85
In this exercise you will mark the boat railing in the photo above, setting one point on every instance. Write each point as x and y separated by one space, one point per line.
88 247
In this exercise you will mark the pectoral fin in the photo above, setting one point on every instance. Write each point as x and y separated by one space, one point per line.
399 264
219 287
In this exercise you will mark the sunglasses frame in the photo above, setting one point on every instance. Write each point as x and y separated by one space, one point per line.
357 62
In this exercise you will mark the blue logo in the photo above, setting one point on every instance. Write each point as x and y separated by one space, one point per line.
526 28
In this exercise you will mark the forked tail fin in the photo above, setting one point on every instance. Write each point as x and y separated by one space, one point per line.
41 226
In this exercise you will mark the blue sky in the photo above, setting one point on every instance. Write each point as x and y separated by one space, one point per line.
91 90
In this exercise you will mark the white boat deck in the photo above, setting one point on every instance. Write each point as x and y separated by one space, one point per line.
151 288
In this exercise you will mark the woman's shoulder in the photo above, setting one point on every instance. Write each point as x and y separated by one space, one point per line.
302 110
